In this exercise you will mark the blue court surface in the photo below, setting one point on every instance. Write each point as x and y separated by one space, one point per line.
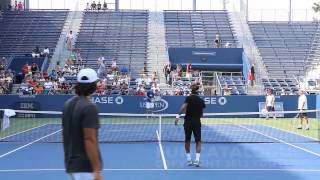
283 159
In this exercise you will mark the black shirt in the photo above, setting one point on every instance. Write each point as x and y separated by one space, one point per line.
79 112
195 106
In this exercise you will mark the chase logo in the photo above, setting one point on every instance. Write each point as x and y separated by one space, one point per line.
107 100
159 105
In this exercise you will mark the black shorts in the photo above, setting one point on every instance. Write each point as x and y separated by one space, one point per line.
270 108
192 127
303 115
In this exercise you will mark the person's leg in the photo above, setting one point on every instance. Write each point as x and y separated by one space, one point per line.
305 121
301 121
187 144
197 138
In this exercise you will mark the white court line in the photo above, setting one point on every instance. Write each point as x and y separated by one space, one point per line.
291 132
195 169
279 140
161 152
26 145
22 131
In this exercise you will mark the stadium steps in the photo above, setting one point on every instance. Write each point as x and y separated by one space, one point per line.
246 41
72 23
157 52
312 66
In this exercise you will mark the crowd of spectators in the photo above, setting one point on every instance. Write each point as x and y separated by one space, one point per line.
16 6
97 6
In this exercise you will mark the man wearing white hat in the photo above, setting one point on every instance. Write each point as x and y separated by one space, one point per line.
80 124
302 106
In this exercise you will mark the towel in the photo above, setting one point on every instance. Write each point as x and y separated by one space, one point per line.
6 121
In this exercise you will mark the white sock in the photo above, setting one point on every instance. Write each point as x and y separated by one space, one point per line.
307 126
188 157
197 156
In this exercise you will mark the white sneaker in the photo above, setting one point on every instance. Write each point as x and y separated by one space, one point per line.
196 163
190 163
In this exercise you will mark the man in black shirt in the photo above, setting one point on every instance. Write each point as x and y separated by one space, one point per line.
193 109
80 124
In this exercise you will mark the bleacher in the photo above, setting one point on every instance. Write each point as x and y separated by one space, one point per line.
281 86
115 34
234 81
283 46
197 28
22 31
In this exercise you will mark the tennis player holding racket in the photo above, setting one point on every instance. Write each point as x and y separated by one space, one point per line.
193 108
302 106
80 124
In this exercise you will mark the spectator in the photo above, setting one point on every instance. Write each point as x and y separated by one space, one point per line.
93 6
69 40
101 86
88 7
217 41
167 71
114 64
47 86
188 71
227 45
78 57
99 6
25 69
226 89
34 68
2 66
46 52
3 61
102 66
36 52
53 74
15 5
252 72
20 6
105 5
38 89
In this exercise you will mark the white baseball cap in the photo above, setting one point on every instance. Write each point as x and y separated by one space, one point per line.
87 75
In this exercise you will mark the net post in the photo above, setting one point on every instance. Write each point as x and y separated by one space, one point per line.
160 131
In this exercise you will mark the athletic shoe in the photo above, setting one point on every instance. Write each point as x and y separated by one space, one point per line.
190 163
307 129
196 163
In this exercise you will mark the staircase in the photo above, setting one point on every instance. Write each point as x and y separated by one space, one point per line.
157 52
246 41
73 23
312 65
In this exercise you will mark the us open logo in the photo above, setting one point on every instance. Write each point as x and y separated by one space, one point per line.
159 105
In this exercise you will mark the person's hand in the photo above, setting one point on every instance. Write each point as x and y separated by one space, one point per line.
177 120
97 175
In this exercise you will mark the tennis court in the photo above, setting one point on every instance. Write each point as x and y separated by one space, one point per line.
151 147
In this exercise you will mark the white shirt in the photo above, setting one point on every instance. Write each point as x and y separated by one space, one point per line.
48 85
114 64
69 36
270 99
302 102
46 51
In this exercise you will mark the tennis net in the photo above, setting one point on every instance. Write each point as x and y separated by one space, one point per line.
244 127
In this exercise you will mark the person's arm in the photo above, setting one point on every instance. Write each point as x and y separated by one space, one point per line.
91 147
90 125
183 109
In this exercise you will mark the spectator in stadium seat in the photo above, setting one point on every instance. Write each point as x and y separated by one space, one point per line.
36 52
227 45
53 74
38 89
20 6
93 6
226 89
217 41
47 86
105 5
99 6
45 52
114 64
78 57
34 68
25 69
15 5
69 40
101 87
88 7
188 70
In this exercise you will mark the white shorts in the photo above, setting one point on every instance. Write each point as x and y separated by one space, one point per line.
81 176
